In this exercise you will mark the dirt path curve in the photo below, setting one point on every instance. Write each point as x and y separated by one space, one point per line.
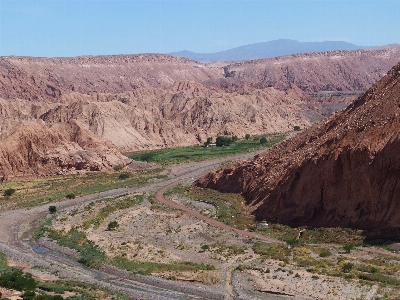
160 197
14 223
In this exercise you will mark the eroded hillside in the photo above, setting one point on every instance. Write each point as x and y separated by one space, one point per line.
341 172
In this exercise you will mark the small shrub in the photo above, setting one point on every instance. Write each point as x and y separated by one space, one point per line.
240 268
112 225
117 168
70 196
52 209
325 253
123 176
9 192
347 267
296 128
247 136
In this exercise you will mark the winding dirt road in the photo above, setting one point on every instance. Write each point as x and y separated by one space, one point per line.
14 224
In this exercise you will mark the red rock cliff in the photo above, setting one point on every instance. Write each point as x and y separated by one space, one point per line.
345 171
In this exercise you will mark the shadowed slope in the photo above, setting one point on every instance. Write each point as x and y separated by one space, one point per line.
341 172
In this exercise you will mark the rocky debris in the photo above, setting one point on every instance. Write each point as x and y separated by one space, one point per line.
340 172
316 72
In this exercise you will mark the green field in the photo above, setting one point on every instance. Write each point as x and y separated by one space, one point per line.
46 190
197 153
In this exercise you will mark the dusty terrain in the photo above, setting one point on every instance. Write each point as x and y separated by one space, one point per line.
340 172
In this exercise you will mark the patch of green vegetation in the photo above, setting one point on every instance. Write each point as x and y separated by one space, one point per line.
199 153
315 235
17 280
39 191
379 278
280 231
278 252
116 204
325 253
147 268
89 253
224 250
230 207
3 263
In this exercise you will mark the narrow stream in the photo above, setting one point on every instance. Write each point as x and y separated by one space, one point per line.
99 276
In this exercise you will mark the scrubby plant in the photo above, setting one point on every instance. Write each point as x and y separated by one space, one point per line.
112 225
347 267
52 209
325 253
9 192
296 128
70 196
247 136
123 176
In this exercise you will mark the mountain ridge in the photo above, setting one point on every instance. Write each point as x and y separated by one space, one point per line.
268 49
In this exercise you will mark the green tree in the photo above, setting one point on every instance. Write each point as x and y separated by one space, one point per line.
234 138
296 128
52 209
112 225
223 141
208 142
247 136
9 192
348 247
263 140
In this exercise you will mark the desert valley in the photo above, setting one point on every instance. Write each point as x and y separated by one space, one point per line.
154 176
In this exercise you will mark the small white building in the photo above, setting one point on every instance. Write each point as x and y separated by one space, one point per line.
262 225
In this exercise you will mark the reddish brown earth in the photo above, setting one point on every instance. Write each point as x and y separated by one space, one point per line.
343 171
87 132
34 78
315 72
78 113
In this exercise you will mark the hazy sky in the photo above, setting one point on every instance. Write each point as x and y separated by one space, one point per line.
92 27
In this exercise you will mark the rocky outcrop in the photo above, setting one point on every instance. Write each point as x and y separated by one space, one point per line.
342 172
30 148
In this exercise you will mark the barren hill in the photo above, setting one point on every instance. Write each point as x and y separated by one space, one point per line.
316 72
343 171
48 78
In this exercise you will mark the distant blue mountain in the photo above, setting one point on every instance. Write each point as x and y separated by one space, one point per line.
268 49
